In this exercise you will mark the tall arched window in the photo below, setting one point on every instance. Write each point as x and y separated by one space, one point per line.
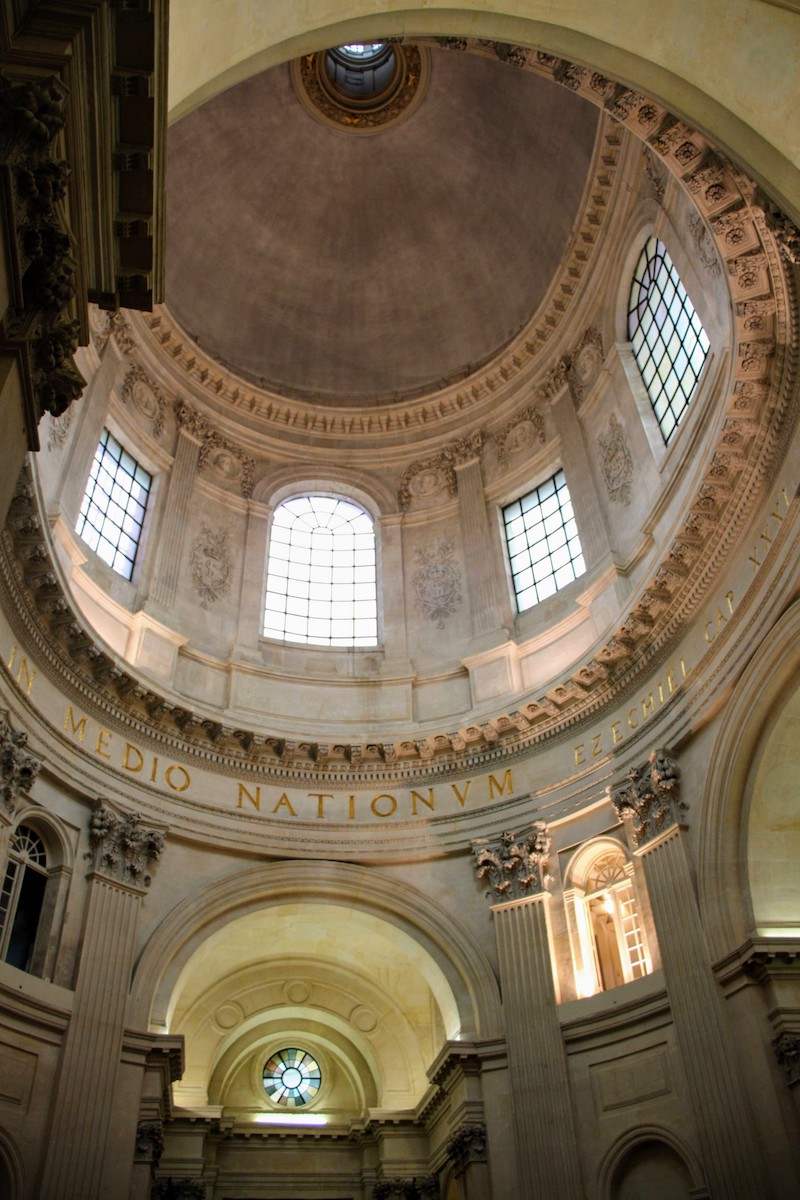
609 944
22 897
669 342
321 583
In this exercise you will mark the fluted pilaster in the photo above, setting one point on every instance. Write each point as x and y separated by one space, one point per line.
654 806
547 1153
84 1103
486 597
176 513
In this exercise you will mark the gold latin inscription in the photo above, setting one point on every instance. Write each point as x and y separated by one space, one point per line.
602 740
769 531
23 671
124 754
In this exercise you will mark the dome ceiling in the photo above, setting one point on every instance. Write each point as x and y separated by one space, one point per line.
279 262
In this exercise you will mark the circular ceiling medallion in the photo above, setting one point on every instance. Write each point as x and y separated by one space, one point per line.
362 87
292 1077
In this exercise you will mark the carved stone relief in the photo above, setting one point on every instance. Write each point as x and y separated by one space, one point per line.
120 848
146 397
585 362
59 428
436 476
519 434
515 867
228 462
651 797
211 563
616 461
704 245
437 581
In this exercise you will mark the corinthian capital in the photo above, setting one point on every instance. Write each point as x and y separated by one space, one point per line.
18 769
515 867
122 850
651 797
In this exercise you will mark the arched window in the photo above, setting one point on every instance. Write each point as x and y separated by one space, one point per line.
321 583
22 897
609 945
669 343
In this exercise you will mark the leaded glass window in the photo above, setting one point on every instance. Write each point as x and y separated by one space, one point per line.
114 505
543 544
292 1077
321 581
669 343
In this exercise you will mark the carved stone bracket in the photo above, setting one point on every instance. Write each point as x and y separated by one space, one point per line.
651 797
121 849
18 770
515 867
149 1142
178 1189
467 1145
425 1188
39 324
787 1052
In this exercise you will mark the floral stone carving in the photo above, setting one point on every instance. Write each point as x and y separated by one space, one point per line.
437 581
651 797
616 461
211 562
515 867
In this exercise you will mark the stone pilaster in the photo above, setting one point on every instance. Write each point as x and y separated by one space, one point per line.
122 853
547 1149
391 570
92 413
589 515
487 599
251 606
653 808
466 1150
191 432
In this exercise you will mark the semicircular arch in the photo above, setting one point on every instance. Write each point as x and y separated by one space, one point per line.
451 948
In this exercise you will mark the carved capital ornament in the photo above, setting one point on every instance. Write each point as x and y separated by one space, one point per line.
121 849
515 867
18 769
651 797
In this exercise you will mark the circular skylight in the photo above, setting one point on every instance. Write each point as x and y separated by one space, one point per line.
292 1077
362 51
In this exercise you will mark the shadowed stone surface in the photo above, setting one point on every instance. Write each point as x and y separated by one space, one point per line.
356 268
